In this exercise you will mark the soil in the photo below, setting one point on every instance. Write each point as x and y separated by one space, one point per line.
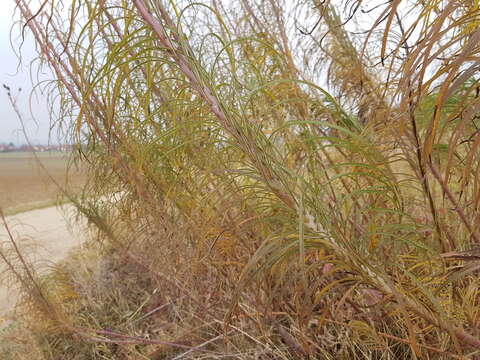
24 185
46 236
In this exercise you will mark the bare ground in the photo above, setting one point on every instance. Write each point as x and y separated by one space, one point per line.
46 236
24 185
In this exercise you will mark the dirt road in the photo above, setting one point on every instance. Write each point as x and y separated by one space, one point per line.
45 235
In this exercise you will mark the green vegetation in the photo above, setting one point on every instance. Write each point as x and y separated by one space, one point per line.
270 184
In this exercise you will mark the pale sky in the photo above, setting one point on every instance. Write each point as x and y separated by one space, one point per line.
38 127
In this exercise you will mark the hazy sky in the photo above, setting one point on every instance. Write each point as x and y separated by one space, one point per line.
10 74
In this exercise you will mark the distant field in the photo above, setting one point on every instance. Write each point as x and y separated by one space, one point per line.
24 185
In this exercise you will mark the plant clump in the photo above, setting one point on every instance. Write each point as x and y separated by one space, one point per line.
267 179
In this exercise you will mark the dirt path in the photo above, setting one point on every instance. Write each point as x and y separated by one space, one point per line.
45 235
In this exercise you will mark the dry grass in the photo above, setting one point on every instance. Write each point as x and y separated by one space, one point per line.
257 214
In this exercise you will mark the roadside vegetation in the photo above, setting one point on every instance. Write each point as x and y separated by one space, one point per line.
266 180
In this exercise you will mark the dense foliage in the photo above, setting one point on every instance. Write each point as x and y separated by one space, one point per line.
281 179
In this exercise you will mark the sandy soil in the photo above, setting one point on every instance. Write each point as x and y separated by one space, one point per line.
45 235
